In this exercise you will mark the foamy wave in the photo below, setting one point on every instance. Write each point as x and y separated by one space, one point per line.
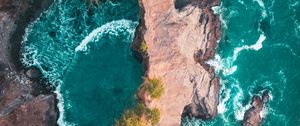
223 66
257 46
226 66
217 9
239 109
112 28
222 105
61 121
262 5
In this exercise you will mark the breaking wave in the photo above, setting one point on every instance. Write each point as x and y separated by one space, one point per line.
225 66
111 28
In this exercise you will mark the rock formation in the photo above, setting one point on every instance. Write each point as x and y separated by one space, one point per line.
180 36
23 102
252 116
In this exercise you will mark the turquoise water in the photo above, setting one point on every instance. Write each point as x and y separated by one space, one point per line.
85 51
259 50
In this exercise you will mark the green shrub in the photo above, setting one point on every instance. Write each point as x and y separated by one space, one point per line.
155 116
140 115
154 87
130 118
143 47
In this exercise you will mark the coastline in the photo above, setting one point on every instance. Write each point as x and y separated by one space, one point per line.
22 88
156 26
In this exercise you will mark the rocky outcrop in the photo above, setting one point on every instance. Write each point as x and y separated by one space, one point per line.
180 37
24 100
39 111
252 116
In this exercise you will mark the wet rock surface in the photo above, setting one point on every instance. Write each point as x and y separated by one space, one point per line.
252 116
33 72
180 38
21 103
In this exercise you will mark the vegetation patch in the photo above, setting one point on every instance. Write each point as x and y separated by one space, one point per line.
154 87
143 47
140 115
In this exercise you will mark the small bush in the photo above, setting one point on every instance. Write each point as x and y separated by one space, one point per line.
140 115
155 116
154 87
143 47
130 118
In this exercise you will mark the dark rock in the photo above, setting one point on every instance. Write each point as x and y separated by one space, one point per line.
204 107
180 4
52 34
265 96
33 72
3 68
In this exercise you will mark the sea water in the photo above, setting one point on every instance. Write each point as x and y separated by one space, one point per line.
84 50
259 50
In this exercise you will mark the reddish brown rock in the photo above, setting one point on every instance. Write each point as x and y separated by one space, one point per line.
22 101
39 111
179 42
252 116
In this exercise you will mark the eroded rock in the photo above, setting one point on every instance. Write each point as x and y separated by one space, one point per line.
39 111
19 105
33 72
252 117
173 37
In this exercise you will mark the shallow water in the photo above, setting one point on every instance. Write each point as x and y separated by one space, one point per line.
85 51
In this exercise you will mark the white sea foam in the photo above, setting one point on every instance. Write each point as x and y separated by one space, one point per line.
262 5
239 109
222 105
61 107
257 46
222 65
226 66
113 27
217 9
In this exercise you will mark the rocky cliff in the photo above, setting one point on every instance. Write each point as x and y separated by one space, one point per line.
24 100
181 35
